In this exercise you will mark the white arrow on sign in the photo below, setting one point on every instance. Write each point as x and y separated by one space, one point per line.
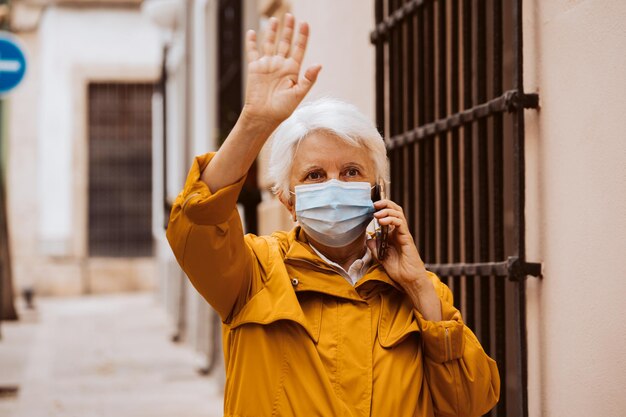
7 65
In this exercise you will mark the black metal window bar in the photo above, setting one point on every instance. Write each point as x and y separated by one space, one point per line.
455 139
120 169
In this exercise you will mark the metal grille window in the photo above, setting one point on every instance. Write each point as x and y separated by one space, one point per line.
120 169
450 103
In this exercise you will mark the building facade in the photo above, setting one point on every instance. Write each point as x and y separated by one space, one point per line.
573 161
86 60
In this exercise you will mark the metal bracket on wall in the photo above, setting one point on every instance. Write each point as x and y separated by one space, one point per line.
514 101
519 270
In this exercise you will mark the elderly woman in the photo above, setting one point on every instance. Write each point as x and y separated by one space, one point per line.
314 324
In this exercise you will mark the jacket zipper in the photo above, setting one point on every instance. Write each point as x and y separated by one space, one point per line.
448 345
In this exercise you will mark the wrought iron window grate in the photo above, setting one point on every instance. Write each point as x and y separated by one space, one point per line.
120 169
450 104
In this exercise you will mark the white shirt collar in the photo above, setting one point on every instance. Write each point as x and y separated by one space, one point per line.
356 271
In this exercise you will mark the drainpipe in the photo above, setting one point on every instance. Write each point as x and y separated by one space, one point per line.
167 204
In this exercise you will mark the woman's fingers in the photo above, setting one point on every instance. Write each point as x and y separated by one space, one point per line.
299 47
388 221
385 203
285 48
251 48
390 213
269 47
306 82
381 214
287 34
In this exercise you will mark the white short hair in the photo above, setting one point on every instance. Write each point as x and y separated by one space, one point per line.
327 115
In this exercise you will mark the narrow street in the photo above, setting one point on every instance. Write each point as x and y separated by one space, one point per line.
101 356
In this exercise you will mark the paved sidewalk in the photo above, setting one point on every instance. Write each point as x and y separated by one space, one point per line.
101 356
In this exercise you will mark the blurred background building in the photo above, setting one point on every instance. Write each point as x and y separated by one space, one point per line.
80 148
503 120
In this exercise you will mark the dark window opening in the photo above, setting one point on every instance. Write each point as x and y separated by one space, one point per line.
120 169
230 97
450 104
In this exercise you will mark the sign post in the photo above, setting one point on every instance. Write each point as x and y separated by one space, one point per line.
12 71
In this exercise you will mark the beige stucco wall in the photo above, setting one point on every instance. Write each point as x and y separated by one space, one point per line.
347 60
576 208
339 41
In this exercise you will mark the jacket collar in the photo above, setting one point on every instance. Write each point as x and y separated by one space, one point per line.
321 277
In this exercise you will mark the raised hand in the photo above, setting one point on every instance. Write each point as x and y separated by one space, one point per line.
274 85
273 91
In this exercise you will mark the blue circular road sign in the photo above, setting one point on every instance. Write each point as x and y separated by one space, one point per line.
12 62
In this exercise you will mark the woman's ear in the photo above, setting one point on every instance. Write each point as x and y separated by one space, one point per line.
288 203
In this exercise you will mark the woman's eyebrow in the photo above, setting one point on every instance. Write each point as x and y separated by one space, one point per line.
310 168
353 164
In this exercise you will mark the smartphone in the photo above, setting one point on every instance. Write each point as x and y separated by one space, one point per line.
382 232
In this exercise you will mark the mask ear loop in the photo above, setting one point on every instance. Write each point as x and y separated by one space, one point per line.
291 203
291 197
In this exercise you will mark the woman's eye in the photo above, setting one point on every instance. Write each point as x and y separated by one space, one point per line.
352 172
315 175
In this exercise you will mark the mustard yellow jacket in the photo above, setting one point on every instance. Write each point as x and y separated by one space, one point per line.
301 341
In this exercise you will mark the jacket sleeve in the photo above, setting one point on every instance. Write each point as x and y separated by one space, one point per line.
206 236
462 379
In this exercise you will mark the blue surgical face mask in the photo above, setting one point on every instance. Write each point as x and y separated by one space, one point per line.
334 213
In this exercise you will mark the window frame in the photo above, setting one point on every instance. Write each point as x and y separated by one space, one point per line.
130 121
451 119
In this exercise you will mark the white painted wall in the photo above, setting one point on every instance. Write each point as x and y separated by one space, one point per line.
176 117
576 209
115 44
